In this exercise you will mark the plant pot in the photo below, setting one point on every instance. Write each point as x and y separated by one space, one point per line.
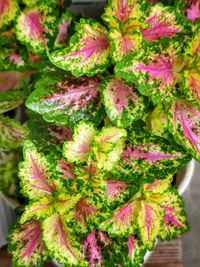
183 179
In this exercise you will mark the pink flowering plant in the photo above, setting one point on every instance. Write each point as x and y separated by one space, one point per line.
112 112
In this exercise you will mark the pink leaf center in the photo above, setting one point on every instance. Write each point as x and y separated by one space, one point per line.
122 94
193 11
115 188
170 217
66 169
124 10
131 246
142 152
124 215
159 28
83 210
161 69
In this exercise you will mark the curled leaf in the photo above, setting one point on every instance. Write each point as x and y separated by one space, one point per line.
79 149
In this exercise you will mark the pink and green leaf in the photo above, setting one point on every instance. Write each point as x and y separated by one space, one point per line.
122 102
125 41
136 251
88 51
149 223
37 210
151 157
185 126
26 245
63 29
124 220
121 11
162 23
48 136
34 173
11 85
175 222
8 12
191 86
13 133
66 100
193 10
35 29
59 241
154 75
158 186
79 149
108 146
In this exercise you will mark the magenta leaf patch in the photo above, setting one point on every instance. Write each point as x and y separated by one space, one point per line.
162 23
35 29
34 173
155 75
122 102
184 125
88 50
26 244
66 100
175 222
193 11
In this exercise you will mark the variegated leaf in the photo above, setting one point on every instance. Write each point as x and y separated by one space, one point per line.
158 186
149 223
48 136
150 157
34 173
122 11
191 86
12 133
92 247
122 102
35 29
88 50
60 243
193 11
124 220
79 149
161 22
155 75
66 100
108 146
26 245
11 84
175 222
157 122
9 182
8 11
185 126
37 210
63 29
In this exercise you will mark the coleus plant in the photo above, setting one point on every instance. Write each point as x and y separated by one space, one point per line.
113 109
